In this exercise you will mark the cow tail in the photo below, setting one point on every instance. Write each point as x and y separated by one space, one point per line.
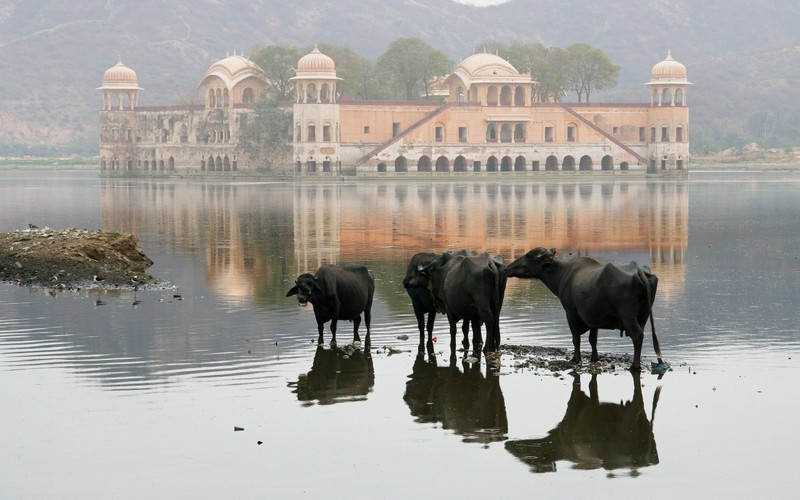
646 283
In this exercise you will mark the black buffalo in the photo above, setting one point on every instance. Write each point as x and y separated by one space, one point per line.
596 295
418 285
337 292
470 288
594 434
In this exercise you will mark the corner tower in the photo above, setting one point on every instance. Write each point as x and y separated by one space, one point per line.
668 116
118 125
316 114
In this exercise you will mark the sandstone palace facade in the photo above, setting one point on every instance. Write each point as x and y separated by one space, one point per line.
486 123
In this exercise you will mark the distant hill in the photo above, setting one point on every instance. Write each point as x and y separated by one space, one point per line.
743 57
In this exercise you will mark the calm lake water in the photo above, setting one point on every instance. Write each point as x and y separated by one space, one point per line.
111 394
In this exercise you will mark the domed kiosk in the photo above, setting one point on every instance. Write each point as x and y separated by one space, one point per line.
668 83
232 81
120 84
490 80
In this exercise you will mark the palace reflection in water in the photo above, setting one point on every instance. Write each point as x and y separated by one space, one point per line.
255 236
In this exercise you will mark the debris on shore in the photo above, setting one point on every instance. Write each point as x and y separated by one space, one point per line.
72 258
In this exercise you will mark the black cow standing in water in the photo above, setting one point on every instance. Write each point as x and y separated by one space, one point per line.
594 434
337 292
596 295
418 285
469 288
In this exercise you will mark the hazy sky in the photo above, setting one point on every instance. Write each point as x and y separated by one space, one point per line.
482 2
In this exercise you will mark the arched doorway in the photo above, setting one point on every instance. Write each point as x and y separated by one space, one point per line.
585 163
424 164
442 164
381 167
491 164
460 165
607 163
401 164
505 164
519 164
624 165
568 163
551 163
171 163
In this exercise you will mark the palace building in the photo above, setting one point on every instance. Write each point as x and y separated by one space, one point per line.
487 122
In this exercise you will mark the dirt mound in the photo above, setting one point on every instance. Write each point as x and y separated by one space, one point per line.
72 258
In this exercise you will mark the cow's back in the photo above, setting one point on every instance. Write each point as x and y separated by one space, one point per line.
351 284
471 283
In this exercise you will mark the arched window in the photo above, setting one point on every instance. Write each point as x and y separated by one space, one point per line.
184 133
491 96
505 95
325 93
219 98
248 96
679 97
519 96
311 93
381 167
505 132
212 101
226 98
491 133
519 132
171 163
666 97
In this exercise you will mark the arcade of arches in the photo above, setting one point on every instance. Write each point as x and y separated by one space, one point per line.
494 163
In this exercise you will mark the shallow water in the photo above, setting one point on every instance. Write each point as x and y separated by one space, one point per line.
123 394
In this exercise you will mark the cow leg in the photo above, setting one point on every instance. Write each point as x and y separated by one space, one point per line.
593 343
356 323
452 320
429 345
577 327
421 326
321 329
477 337
333 332
636 334
367 321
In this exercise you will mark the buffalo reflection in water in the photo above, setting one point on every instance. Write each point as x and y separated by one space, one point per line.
337 375
594 434
462 400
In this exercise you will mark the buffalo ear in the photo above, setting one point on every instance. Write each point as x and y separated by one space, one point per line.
293 291
553 252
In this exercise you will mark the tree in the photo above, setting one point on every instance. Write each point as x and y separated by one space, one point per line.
279 63
266 132
589 69
410 64
356 71
546 65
